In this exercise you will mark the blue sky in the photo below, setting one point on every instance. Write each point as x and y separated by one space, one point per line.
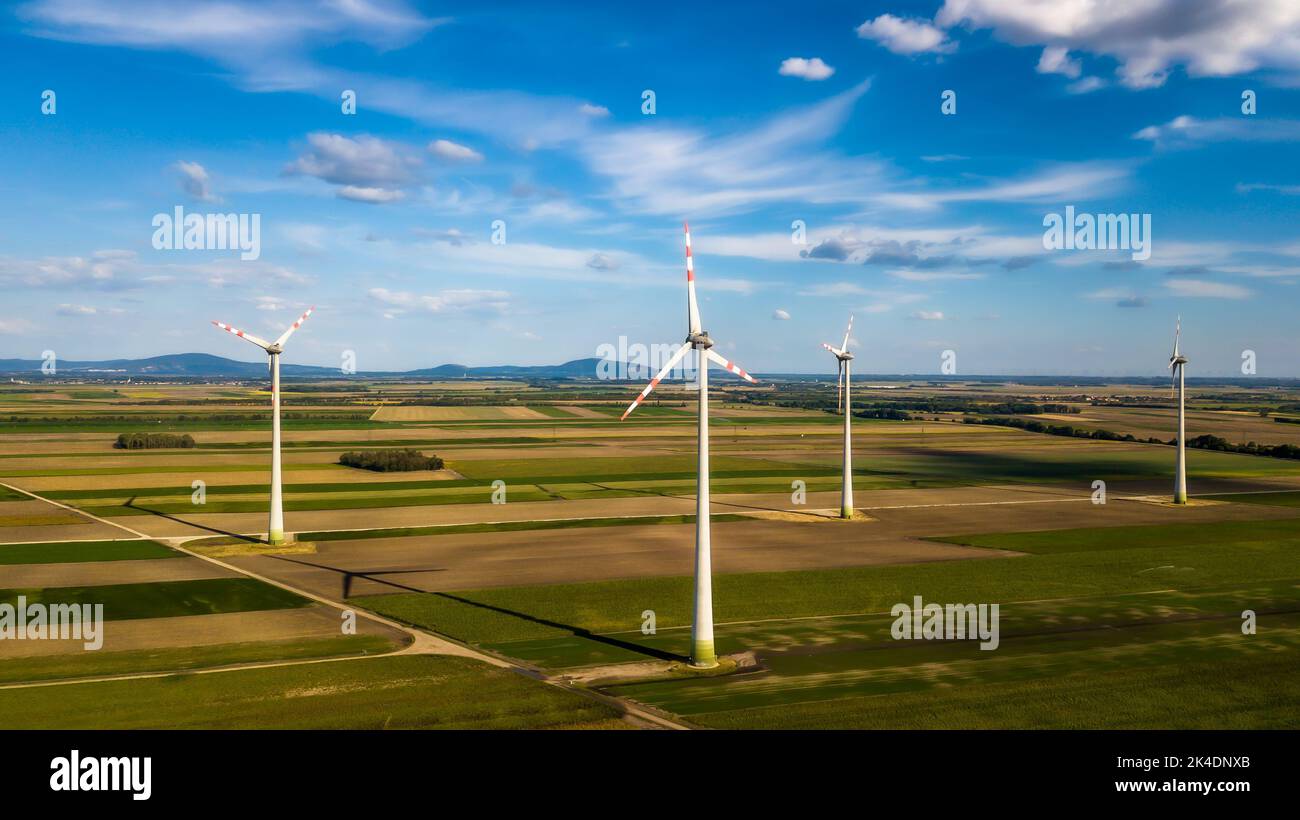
928 227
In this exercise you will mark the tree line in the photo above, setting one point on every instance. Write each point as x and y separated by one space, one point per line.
390 461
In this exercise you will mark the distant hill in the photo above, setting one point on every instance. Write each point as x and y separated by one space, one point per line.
203 365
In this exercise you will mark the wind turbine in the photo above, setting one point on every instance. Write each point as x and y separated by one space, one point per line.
702 652
845 403
1177 361
275 532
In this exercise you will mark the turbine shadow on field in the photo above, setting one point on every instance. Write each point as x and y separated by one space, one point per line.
713 500
577 631
130 504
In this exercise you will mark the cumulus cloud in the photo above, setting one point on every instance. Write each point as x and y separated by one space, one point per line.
446 149
906 35
195 181
1209 38
602 261
366 169
589 110
781 315
808 69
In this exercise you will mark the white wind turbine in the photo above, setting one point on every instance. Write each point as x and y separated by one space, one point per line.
1177 361
702 651
275 532
845 403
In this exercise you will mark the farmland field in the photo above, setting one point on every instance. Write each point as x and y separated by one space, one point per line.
553 528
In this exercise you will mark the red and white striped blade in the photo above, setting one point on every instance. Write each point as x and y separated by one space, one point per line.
731 366
847 330
677 357
262 343
285 336
692 307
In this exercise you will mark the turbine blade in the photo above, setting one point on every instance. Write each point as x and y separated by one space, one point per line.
731 366
1178 331
692 307
285 336
847 330
262 343
677 357
834 350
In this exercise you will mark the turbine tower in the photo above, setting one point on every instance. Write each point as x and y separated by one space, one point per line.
275 531
1177 361
845 403
702 652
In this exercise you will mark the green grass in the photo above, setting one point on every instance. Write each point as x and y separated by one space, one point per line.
1226 690
96 664
407 692
123 602
564 613
7 494
1094 539
61 552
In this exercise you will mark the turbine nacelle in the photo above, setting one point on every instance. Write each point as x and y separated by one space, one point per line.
700 340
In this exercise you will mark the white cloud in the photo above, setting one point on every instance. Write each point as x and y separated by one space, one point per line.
1185 130
1149 38
906 35
1086 85
1076 181
367 169
446 149
589 110
1201 288
195 181
661 169
928 315
67 309
446 301
1056 60
781 315
813 69
369 195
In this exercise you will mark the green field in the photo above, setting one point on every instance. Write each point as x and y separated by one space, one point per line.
1086 616
102 663
60 552
124 602
409 692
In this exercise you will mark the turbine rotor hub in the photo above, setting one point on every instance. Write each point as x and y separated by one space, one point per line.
700 340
